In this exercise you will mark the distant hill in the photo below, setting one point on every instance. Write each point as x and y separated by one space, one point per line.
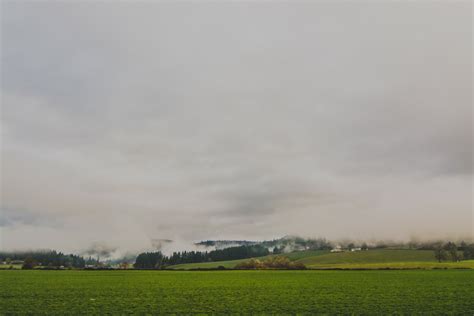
232 263
370 259
221 244
370 256
285 244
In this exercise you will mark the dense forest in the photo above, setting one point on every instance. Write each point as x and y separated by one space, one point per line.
44 258
152 260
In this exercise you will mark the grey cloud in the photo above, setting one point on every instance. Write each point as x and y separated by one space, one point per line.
16 216
158 244
9 218
235 120
100 249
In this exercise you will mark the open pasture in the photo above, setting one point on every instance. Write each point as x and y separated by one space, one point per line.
247 292
371 259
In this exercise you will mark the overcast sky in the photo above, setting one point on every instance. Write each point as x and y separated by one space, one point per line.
133 121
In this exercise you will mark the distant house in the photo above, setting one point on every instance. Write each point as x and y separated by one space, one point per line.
356 249
337 249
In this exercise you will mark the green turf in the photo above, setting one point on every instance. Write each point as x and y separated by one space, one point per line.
237 292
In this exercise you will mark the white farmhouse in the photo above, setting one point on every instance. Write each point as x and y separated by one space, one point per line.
338 248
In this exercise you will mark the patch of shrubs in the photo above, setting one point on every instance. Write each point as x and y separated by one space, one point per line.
274 262
29 264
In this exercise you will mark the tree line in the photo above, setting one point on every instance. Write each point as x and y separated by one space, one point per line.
156 260
453 252
52 258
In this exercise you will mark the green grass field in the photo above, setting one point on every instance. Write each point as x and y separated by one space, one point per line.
372 259
10 266
294 256
237 292
370 256
396 265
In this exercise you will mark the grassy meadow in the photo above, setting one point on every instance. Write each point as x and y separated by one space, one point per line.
10 266
371 259
231 292
294 256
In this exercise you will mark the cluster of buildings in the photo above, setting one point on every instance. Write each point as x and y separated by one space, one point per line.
338 248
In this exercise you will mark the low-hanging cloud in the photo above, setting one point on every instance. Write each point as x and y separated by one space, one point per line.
234 121
100 249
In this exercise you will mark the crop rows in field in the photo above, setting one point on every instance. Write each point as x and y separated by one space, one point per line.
225 292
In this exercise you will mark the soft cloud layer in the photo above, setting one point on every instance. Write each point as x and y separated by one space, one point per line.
130 122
